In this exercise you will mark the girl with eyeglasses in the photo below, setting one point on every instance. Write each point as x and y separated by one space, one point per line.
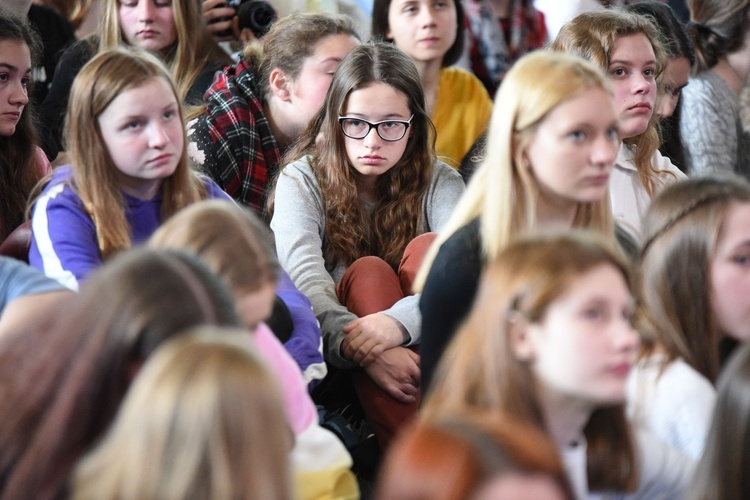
349 218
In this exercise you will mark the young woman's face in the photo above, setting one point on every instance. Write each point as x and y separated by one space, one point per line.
675 79
148 24
573 150
15 73
144 136
730 274
632 69
424 29
255 307
584 347
308 90
372 156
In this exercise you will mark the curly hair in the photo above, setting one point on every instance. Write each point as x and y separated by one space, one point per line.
351 231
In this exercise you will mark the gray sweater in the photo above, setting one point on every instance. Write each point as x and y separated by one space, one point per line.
711 129
298 224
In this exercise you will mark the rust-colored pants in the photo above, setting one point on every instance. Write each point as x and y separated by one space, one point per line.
370 286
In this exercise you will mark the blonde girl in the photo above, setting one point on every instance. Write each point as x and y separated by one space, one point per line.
217 432
551 150
129 168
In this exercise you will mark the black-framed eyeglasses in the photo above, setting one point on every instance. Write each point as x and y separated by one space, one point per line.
388 130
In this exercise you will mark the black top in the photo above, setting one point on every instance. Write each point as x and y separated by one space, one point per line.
57 34
55 106
448 295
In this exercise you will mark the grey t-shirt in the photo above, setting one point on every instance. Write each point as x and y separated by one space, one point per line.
18 279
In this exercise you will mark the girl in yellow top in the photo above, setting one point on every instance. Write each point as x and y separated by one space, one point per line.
431 32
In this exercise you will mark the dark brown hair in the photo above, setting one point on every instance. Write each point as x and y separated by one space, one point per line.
380 28
60 388
19 163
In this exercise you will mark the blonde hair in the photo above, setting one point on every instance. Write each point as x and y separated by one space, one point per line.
203 419
193 50
593 35
95 179
230 239
479 370
502 191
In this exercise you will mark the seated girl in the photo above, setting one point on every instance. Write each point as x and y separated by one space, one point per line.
129 167
432 34
231 241
217 432
256 109
550 342
61 385
364 185
675 77
629 49
22 163
552 146
701 225
173 31
239 248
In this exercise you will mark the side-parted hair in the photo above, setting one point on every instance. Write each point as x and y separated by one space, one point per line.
19 167
451 458
193 50
294 38
381 27
717 28
479 370
722 471
61 387
397 218
681 230
95 179
202 420
593 35
230 239
502 190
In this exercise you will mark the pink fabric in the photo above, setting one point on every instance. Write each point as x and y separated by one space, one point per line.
44 165
299 407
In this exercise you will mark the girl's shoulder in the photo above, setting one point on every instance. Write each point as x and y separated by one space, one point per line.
463 83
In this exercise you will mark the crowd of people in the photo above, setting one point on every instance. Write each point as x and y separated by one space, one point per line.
457 255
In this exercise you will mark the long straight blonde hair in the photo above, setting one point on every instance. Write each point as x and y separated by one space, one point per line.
203 420
502 191
193 50
95 179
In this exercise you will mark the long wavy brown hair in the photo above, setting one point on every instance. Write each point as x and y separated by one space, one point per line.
94 173
351 231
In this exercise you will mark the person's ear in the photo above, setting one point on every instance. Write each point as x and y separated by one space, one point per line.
519 338
280 85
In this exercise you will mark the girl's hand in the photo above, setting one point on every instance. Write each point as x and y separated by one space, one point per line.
368 337
396 371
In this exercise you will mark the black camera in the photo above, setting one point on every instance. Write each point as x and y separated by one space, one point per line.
257 15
